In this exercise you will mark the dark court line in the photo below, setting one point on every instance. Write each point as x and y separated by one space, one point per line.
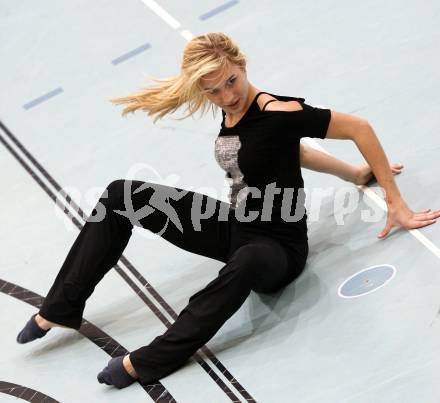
25 393
43 98
131 53
218 10
234 382
98 337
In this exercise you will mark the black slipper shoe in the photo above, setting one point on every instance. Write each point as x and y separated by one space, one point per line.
115 374
31 331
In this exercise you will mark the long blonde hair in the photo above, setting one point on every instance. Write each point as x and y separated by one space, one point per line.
202 55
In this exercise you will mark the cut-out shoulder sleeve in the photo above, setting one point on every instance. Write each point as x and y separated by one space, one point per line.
268 102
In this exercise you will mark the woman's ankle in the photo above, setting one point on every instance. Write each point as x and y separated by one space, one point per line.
42 323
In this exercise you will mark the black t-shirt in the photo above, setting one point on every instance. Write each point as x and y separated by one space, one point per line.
260 155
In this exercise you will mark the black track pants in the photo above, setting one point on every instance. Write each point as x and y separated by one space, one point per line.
194 222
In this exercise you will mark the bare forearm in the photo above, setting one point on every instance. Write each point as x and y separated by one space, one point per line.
370 147
322 162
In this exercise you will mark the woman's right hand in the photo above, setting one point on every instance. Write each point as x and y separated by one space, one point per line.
364 174
399 214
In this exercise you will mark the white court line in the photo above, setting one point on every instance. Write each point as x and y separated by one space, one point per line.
186 34
160 12
381 203
167 17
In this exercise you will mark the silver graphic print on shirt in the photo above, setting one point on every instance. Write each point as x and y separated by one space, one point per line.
226 154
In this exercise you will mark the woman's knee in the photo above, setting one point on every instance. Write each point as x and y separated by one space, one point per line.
119 193
264 265
251 258
109 200
115 190
248 255
258 253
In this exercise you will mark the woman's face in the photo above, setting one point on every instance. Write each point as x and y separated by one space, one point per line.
227 88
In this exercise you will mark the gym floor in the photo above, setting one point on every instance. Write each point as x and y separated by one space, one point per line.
360 325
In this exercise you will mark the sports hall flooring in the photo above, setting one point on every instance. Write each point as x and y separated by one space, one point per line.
62 142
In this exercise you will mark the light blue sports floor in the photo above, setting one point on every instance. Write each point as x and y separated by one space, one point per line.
61 61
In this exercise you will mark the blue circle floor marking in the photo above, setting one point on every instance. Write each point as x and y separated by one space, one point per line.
366 281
